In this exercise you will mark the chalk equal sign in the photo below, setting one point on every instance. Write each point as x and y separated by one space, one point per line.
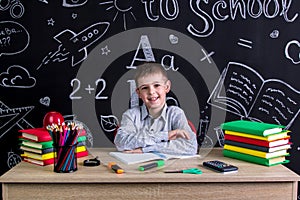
245 43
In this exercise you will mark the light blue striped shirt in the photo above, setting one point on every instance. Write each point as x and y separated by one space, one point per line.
139 129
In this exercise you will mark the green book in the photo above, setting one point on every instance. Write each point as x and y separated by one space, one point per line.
37 145
252 127
255 159
35 150
81 139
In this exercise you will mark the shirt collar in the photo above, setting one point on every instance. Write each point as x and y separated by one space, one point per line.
144 112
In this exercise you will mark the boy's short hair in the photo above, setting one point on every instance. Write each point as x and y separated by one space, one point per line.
149 68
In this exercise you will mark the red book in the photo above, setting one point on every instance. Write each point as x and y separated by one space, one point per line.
258 142
36 134
82 154
82 132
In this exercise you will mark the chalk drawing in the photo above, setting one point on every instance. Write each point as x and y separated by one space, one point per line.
207 56
15 7
293 46
43 1
134 98
173 39
75 44
249 95
245 43
18 77
74 15
232 10
51 22
109 123
274 34
45 101
9 117
105 50
145 45
122 8
76 83
73 3
169 9
13 159
14 38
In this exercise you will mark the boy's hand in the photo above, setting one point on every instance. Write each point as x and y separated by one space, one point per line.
178 133
138 150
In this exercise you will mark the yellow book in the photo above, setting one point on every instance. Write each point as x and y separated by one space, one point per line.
255 152
277 136
38 156
80 149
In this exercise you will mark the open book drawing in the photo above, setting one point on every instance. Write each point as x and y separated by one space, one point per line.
134 158
243 91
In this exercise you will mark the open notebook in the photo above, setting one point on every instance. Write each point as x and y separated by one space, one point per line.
134 158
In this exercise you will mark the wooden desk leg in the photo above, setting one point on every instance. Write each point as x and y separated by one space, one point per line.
4 191
295 190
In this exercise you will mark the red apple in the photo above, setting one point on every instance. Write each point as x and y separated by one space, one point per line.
53 117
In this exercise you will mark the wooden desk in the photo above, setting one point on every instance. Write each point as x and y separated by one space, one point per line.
27 181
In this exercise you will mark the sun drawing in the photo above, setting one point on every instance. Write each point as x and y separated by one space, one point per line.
122 8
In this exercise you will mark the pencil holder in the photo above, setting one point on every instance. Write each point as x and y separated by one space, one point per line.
65 159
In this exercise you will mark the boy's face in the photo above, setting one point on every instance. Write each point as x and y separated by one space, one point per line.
152 89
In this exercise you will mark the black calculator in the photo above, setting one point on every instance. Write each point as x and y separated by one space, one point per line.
220 166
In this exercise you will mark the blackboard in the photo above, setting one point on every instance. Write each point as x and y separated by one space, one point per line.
227 60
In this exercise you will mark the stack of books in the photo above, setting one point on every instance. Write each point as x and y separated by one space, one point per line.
36 146
256 142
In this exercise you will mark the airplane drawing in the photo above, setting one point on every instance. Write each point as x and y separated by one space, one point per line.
10 117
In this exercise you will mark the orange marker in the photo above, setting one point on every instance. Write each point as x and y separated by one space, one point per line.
115 168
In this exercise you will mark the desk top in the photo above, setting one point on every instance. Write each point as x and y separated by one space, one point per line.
29 173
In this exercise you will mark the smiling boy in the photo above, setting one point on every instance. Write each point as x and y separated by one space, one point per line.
154 126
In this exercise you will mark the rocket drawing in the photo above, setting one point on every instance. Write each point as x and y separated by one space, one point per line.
77 44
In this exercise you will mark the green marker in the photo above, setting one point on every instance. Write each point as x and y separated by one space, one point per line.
159 163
